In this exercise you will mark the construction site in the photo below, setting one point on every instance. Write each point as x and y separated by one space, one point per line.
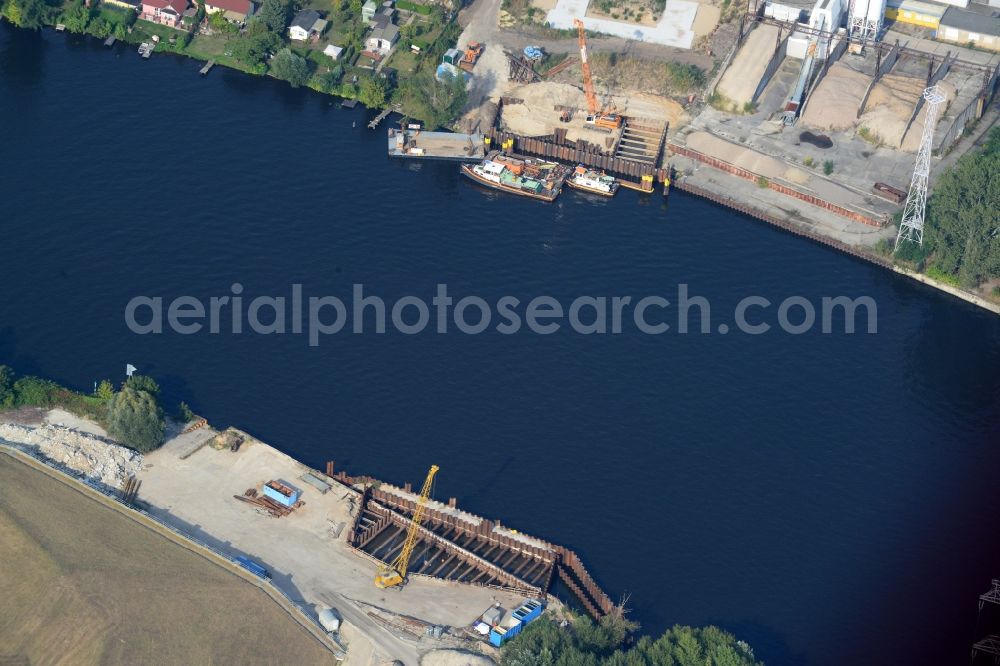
376 571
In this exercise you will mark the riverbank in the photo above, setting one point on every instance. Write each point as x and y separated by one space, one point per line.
189 484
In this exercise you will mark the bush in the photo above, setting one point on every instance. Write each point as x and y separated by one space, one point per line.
135 419
184 411
827 167
7 395
105 391
33 392
809 162
763 183
144 383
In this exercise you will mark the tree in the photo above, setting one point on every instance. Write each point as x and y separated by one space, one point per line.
290 67
372 92
6 387
962 232
105 391
435 102
144 383
253 47
584 643
26 13
329 79
275 15
76 17
135 419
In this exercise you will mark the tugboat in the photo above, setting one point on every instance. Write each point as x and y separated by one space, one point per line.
588 180
520 175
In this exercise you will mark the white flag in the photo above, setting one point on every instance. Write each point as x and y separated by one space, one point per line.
129 369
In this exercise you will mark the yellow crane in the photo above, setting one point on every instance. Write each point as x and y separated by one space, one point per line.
390 575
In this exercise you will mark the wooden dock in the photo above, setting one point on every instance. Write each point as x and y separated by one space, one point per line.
109 42
146 49
382 116
208 66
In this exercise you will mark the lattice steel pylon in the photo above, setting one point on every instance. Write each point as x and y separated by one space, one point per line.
911 226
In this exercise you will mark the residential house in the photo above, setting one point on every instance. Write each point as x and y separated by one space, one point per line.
383 17
236 11
164 12
978 25
306 25
381 39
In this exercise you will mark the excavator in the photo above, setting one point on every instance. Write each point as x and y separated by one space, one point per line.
393 574
605 118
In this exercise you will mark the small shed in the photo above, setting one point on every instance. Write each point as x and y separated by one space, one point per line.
493 616
330 619
452 57
333 51
368 10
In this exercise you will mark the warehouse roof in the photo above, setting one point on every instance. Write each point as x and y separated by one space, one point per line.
978 18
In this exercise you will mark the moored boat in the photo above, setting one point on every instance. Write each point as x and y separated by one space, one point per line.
595 182
524 176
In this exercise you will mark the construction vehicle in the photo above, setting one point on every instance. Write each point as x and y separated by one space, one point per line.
393 574
605 118
472 52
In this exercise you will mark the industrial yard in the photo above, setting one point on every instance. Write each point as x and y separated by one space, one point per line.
84 583
315 541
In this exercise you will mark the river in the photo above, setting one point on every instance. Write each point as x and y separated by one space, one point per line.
830 498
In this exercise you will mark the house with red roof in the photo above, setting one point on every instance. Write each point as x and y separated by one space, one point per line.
164 12
237 11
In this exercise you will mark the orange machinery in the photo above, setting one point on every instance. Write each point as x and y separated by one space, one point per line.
606 117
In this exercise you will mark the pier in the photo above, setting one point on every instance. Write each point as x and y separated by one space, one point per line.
208 66
382 116
146 49
411 144
109 42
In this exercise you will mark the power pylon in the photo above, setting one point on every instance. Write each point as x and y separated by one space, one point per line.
911 226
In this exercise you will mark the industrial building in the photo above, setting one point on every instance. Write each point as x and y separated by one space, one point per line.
978 25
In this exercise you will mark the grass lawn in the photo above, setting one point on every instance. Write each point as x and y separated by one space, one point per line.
404 61
83 584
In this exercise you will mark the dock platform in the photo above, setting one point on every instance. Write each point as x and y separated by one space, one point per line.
449 146
208 66
146 49
110 41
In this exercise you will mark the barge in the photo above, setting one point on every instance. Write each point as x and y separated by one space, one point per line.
595 182
516 174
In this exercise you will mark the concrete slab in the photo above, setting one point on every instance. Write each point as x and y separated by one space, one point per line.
674 29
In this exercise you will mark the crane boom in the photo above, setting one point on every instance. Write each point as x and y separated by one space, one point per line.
588 83
606 118
390 575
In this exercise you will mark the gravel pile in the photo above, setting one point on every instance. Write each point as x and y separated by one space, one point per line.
92 456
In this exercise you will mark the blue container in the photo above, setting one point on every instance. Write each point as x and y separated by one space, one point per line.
253 567
527 612
283 495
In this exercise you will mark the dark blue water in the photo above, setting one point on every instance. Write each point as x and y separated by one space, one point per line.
829 498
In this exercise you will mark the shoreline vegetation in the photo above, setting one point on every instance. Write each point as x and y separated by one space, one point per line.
961 255
133 416
261 46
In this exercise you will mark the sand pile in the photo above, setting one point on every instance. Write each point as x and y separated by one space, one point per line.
535 116
745 158
834 104
88 454
745 71
890 106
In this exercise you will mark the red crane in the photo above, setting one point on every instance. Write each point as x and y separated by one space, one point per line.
605 118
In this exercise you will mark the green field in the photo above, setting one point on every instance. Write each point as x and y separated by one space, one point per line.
84 584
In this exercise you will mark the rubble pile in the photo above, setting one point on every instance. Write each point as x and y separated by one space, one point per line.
90 455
